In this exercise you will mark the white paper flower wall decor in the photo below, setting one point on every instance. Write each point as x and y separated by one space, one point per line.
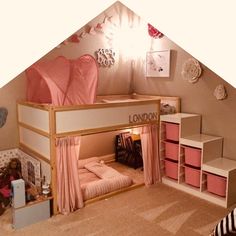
220 92
105 57
191 70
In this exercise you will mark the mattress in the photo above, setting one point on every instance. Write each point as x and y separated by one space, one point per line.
93 186
119 100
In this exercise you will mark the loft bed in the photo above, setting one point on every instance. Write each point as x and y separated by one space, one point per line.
41 124
51 119
168 104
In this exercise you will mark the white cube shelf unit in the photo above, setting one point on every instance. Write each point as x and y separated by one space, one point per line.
187 175
221 167
186 124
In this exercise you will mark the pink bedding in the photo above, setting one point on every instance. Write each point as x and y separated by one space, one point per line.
101 170
110 180
86 176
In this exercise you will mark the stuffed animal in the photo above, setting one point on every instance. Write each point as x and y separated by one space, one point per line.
11 172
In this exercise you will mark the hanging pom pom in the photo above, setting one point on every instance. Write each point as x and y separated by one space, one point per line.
65 42
74 38
105 20
92 31
109 19
82 35
99 25
153 32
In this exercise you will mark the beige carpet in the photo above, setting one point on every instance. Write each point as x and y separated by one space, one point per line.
158 210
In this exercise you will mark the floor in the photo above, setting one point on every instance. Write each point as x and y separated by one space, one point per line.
157 210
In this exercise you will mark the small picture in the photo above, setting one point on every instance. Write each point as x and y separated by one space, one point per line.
31 172
31 169
158 64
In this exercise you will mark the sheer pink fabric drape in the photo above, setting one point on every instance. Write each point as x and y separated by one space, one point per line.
62 81
151 161
69 194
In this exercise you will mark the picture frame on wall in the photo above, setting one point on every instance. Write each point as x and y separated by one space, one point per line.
30 169
158 63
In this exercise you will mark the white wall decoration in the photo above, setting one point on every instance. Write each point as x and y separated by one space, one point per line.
220 92
105 57
158 64
191 70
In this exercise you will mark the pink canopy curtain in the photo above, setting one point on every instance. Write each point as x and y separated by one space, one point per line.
62 81
69 194
150 147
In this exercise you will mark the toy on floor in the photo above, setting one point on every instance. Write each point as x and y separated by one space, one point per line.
11 172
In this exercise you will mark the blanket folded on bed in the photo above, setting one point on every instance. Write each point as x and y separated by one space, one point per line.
101 170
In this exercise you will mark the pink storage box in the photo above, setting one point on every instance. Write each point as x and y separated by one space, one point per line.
171 169
192 156
171 150
192 176
172 131
216 184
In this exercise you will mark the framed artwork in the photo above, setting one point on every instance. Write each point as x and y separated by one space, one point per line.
158 64
30 169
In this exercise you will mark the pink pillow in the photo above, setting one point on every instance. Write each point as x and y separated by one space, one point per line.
83 162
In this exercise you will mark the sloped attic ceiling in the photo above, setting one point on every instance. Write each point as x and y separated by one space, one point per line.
30 29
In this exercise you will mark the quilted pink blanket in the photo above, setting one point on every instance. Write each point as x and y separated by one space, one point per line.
97 179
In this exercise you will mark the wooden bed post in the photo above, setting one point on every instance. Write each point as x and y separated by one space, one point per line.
52 131
178 106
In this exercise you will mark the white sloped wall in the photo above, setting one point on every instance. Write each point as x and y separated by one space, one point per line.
30 29
205 29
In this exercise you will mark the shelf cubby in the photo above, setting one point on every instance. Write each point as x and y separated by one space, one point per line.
210 160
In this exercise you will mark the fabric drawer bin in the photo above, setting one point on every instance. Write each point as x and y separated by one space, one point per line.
192 156
171 150
172 131
171 169
192 176
216 184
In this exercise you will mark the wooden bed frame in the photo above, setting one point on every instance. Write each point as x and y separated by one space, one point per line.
40 124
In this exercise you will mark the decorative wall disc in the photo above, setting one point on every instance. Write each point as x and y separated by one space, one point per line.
220 92
191 70
105 57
